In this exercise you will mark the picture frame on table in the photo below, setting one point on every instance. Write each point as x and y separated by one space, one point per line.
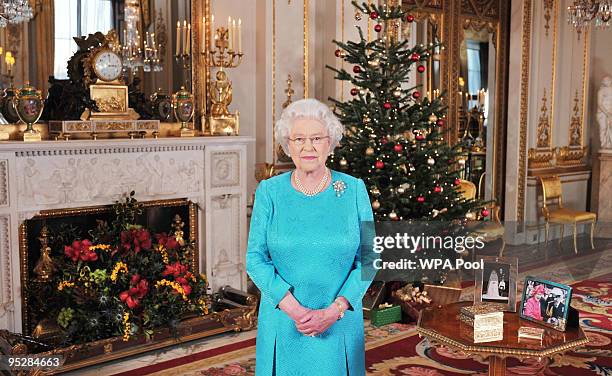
546 303
496 282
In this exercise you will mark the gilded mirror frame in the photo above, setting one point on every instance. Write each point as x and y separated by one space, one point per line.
454 16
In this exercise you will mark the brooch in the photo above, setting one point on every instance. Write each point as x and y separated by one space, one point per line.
339 187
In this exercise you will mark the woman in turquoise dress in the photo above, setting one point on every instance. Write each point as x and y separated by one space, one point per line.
304 254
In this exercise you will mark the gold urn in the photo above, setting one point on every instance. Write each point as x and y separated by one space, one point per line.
29 104
183 105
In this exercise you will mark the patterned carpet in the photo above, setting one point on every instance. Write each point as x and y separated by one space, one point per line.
396 349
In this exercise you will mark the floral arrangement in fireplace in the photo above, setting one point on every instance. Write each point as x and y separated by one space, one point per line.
123 280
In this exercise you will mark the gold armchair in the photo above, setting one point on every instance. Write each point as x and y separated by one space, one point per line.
487 230
552 192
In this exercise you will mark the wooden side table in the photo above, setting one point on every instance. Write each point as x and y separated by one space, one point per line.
443 328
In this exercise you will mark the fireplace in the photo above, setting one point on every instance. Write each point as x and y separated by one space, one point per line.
43 229
40 180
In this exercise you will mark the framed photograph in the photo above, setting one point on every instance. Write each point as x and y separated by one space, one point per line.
496 282
545 302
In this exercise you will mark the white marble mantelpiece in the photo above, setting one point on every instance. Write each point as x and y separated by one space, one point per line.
210 171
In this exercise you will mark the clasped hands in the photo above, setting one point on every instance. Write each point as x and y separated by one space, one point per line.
312 322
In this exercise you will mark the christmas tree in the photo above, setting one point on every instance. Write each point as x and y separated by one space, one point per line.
394 138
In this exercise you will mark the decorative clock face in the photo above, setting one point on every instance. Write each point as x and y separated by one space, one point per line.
107 65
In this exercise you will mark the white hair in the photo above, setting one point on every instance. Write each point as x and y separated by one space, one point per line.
308 109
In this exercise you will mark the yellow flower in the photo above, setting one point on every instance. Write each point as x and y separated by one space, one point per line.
175 285
127 326
119 266
161 249
203 306
103 247
63 284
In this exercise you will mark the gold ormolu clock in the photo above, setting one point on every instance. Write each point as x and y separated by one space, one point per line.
102 73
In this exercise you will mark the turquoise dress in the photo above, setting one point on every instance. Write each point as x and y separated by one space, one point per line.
309 246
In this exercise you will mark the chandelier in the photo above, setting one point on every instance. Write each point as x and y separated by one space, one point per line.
582 12
15 11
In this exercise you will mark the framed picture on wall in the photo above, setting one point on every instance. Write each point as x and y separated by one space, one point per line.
546 302
496 282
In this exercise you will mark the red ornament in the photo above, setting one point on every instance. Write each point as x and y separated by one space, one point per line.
485 213
338 53
421 199
415 57
421 68
377 28
387 105
398 148
354 91
420 137
356 69
410 18
416 94
457 181
379 164
374 15
437 189
440 123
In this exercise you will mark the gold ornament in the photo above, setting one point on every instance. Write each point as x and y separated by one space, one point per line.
397 93
375 191
469 215
374 63
430 161
375 205
370 151
401 190
433 118
343 162
393 215
363 91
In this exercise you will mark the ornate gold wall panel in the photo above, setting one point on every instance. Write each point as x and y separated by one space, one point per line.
525 67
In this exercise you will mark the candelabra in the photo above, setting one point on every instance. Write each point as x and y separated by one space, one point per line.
224 55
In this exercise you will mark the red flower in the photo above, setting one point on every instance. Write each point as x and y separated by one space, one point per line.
168 241
181 275
138 289
136 240
176 270
80 250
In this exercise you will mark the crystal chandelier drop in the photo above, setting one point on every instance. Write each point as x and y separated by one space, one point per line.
15 11
582 12
134 57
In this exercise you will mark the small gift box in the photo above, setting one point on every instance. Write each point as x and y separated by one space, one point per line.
386 314
485 322
373 297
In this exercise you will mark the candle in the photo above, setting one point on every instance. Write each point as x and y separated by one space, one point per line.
204 33
184 36
213 31
178 35
233 34
229 32
240 35
188 40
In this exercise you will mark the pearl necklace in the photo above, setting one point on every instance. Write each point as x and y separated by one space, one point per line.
316 190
